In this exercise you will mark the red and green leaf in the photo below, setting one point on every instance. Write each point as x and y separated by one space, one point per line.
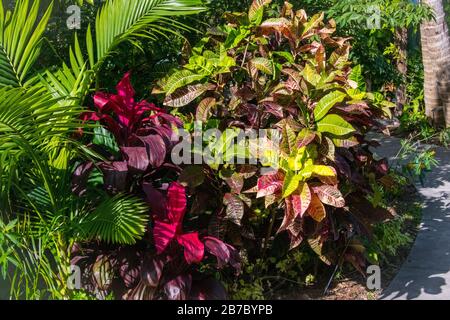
330 195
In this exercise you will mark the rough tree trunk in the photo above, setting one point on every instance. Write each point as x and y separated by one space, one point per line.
436 61
401 42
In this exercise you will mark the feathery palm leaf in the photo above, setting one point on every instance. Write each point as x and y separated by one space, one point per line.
35 145
31 117
20 40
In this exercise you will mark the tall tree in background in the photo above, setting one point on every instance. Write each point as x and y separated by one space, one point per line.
436 60
401 42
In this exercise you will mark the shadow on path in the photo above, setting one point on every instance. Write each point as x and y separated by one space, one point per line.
426 273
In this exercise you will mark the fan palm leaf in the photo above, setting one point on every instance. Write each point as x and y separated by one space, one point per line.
119 220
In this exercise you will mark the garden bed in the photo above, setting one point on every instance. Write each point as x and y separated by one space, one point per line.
230 163
350 284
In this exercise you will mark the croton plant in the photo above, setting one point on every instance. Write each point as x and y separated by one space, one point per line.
288 74
291 74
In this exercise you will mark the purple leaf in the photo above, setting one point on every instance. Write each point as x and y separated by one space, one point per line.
235 208
178 288
115 175
81 177
152 272
219 249
136 158
156 149
382 166
156 201
235 259
343 166
274 108
130 274
236 182
208 289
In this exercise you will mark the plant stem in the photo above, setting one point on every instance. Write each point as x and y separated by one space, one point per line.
269 232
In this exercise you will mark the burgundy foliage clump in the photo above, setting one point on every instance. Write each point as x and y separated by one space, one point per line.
161 265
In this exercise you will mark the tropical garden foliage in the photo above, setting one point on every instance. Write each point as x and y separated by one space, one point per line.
87 176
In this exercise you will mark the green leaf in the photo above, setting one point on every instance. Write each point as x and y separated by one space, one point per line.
310 75
256 11
104 138
285 55
235 37
291 183
180 79
323 171
356 75
345 143
119 20
225 61
335 125
312 23
289 139
262 64
226 142
326 103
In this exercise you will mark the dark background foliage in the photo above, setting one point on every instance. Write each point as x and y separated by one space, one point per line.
150 61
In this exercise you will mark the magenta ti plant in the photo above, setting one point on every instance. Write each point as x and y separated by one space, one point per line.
162 264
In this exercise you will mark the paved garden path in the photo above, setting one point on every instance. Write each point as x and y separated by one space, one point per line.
426 273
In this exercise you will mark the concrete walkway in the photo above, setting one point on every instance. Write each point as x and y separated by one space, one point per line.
426 273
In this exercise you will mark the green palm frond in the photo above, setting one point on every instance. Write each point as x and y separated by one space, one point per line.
33 276
31 117
20 40
118 20
35 145
121 219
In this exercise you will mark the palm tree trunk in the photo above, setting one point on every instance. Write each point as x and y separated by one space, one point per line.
401 42
436 61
